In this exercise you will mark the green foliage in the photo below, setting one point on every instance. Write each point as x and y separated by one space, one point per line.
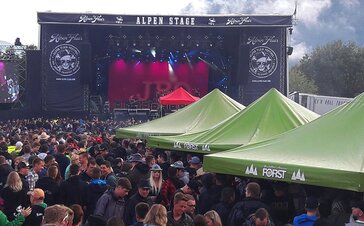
336 68
300 82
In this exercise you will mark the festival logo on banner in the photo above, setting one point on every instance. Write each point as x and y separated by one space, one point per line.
64 60
263 62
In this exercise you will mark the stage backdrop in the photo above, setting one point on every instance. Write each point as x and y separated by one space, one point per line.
145 82
262 62
61 57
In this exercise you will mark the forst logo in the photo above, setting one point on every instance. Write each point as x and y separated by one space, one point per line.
273 173
65 60
263 61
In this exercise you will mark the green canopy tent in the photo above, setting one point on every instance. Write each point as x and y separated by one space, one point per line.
199 116
327 152
271 114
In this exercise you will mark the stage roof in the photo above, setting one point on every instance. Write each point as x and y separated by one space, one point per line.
165 20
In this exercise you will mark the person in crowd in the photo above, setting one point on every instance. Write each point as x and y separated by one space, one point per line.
19 220
199 220
62 159
259 218
35 148
74 160
224 207
212 218
112 202
87 175
140 196
50 186
177 215
57 215
311 215
181 173
241 210
150 160
5 170
26 153
94 190
156 216
340 213
37 167
194 165
155 180
16 161
107 174
49 160
14 196
191 206
192 188
23 171
139 170
83 158
72 191
77 215
38 206
163 163
357 212
169 187
141 210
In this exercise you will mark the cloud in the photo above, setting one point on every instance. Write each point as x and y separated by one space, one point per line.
299 50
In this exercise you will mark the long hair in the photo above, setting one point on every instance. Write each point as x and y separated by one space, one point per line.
214 217
157 215
14 182
156 186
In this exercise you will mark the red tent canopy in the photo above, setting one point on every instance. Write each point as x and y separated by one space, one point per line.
179 96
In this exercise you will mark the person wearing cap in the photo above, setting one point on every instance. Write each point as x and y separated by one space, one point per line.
18 147
195 164
155 180
357 212
38 206
23 171
181 173
140 196
112 202
311 215
139 170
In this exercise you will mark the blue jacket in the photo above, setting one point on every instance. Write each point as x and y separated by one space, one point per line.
304 220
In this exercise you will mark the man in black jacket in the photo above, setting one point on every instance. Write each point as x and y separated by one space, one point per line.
140 196
243 209
73 189
38 207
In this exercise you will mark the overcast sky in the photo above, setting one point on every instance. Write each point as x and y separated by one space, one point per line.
318 21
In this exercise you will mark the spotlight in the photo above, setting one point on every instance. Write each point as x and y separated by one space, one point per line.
289 50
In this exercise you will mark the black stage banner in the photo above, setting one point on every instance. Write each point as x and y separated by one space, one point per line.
265 57
154 20
61 68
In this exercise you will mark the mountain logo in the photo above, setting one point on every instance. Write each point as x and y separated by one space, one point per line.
298 175
206 147
251 170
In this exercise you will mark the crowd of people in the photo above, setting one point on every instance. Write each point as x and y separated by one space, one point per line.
76 172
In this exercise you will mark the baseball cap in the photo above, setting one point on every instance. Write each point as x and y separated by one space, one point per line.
156 167
178 165
37 193
144 184
311 203
18 144
23 165
194 185
194 160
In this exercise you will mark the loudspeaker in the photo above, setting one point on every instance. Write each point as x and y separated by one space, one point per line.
289 50
85 63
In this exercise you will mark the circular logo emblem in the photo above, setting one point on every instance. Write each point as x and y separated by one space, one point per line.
263 61
65 60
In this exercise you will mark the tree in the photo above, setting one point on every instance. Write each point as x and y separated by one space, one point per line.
336 68
300 82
